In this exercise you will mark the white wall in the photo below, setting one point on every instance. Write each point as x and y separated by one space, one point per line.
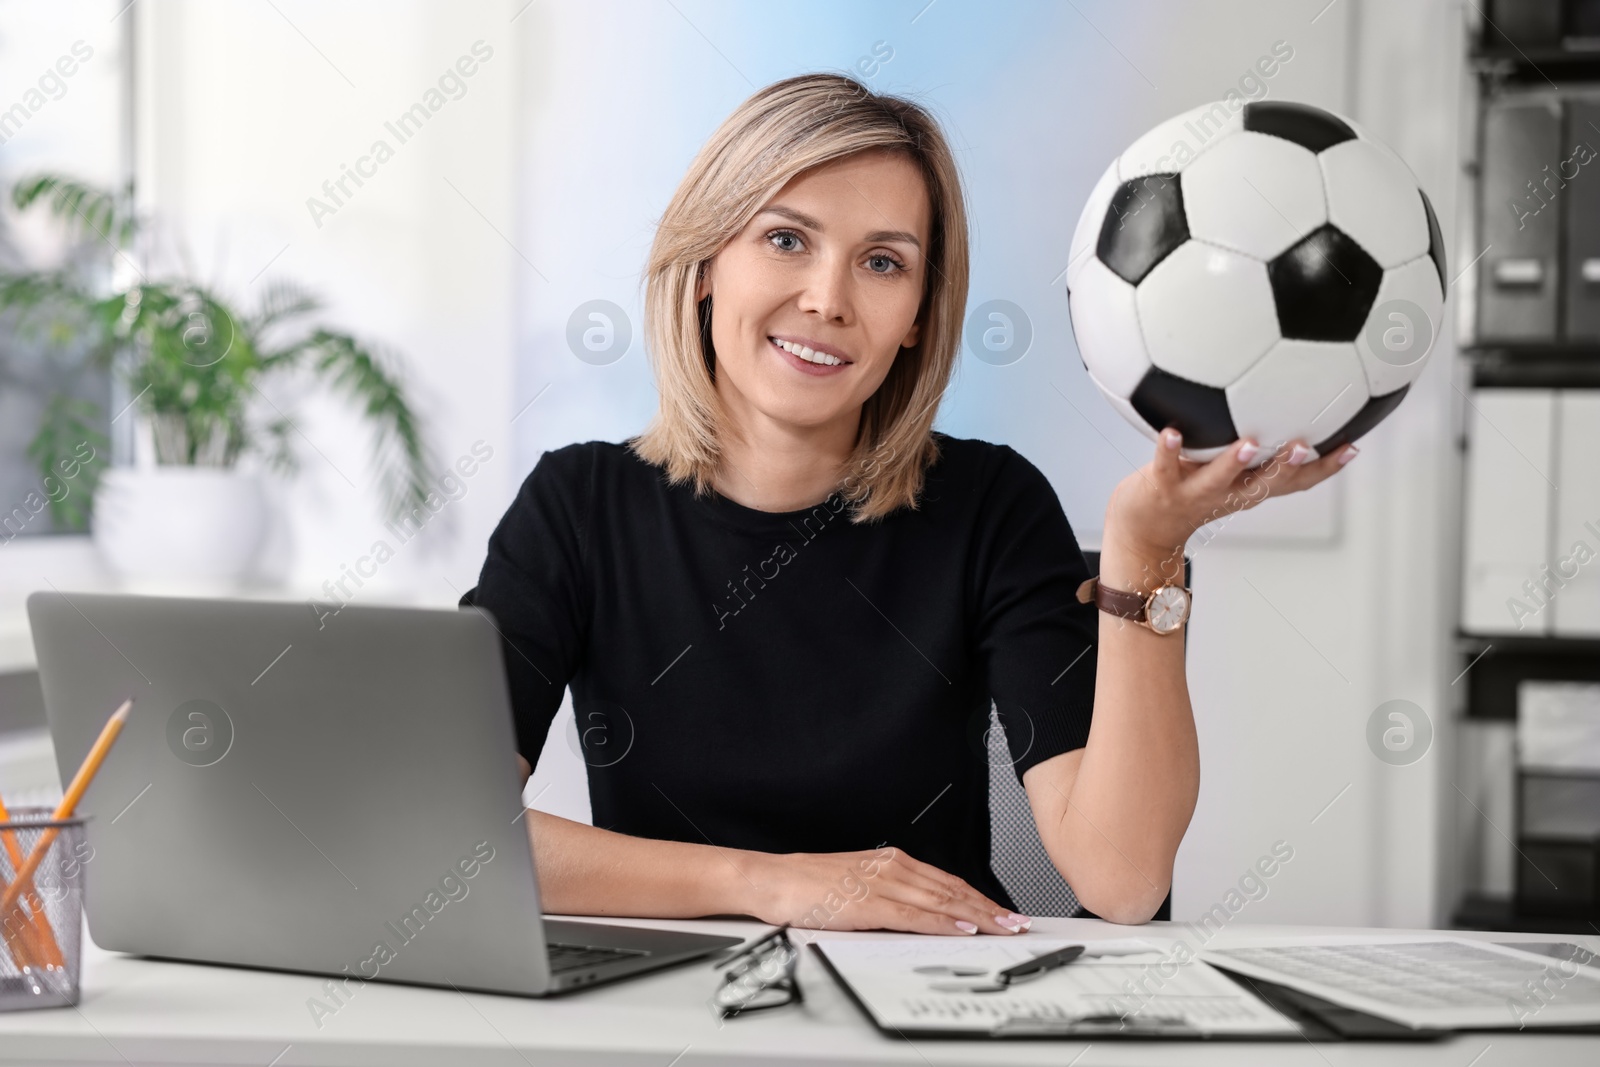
243 114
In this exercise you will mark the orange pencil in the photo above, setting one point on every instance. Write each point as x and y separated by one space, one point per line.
42 943
69 803
44 939
19 934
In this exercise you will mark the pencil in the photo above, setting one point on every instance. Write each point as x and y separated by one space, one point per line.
69 803
43 943
44 939
18 932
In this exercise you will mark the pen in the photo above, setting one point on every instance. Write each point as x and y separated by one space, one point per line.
1100 1023
1038 965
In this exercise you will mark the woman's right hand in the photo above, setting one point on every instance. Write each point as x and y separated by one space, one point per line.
879 889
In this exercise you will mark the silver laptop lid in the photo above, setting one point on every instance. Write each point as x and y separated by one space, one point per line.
336 794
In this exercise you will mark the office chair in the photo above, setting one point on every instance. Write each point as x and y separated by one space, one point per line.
1015 852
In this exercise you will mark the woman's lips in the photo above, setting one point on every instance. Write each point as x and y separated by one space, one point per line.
805 365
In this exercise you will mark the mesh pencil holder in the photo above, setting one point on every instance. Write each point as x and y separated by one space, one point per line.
40 947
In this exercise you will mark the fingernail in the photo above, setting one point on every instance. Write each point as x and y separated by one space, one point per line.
1018 917
966 927
1248 451
1299 455
1008 923
1347 455
1171 438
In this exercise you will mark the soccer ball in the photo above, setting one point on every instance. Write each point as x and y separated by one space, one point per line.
1273 272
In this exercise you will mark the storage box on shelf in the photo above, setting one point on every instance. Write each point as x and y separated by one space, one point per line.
1558 798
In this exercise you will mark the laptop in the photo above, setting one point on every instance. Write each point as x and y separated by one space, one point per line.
303 791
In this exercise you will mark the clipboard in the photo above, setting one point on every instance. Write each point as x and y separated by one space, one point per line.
1300 1016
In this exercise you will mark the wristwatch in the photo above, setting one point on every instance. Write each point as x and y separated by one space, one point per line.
1164 611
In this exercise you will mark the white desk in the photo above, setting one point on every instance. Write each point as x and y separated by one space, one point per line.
145 1011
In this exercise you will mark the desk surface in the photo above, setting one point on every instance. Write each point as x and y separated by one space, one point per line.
139 1011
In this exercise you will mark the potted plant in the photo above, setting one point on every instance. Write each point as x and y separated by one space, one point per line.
193 365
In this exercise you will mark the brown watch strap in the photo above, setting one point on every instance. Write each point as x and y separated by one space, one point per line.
1113 601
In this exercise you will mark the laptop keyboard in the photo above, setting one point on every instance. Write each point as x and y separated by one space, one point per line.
568 957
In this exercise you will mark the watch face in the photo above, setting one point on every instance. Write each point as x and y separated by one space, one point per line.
1169 607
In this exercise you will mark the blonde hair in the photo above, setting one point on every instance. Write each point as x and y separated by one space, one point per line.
784 129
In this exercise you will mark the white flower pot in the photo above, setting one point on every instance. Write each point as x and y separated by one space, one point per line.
179 525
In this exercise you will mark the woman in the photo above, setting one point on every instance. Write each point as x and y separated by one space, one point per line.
784 609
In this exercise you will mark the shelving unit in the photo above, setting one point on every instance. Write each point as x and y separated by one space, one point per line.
1555 79
1499 663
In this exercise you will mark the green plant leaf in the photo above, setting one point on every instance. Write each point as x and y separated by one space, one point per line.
191 361
85 209
69 454
41 300
195 373
283 301
398 452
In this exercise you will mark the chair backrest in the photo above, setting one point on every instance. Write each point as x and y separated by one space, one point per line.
1016 854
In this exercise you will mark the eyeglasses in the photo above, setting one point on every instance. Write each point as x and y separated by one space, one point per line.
760 975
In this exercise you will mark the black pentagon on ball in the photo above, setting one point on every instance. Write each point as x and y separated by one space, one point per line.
1307 126
1374 411
1199 412
1435 241
1323 287
1143 224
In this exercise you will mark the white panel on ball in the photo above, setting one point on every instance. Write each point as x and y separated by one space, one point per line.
1378 143
1125 409
1207 313
1393 326
1374 198
1105 324
1255 194
1304 389
1204 455
1171 146
1090 222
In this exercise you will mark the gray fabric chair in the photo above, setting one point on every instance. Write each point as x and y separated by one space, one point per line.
1015 852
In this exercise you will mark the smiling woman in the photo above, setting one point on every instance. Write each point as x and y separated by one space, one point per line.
804 309
815 197
789 277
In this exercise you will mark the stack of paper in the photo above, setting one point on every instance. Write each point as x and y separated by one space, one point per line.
1424 981
915 985
1427 983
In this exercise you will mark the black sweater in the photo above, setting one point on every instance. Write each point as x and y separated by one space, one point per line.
790 681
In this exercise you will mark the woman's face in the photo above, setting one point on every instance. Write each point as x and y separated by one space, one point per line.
835 263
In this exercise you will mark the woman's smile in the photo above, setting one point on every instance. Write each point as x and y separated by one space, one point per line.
809 357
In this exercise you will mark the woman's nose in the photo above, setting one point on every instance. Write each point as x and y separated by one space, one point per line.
827 291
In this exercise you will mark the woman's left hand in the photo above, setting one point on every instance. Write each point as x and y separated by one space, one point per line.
1154 510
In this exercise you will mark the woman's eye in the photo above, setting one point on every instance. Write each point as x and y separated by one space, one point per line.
890 264
785 235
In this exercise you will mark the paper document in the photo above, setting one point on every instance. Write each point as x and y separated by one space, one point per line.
1426 981
1141 985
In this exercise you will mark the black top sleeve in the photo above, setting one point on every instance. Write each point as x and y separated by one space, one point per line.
1036 639
532 586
